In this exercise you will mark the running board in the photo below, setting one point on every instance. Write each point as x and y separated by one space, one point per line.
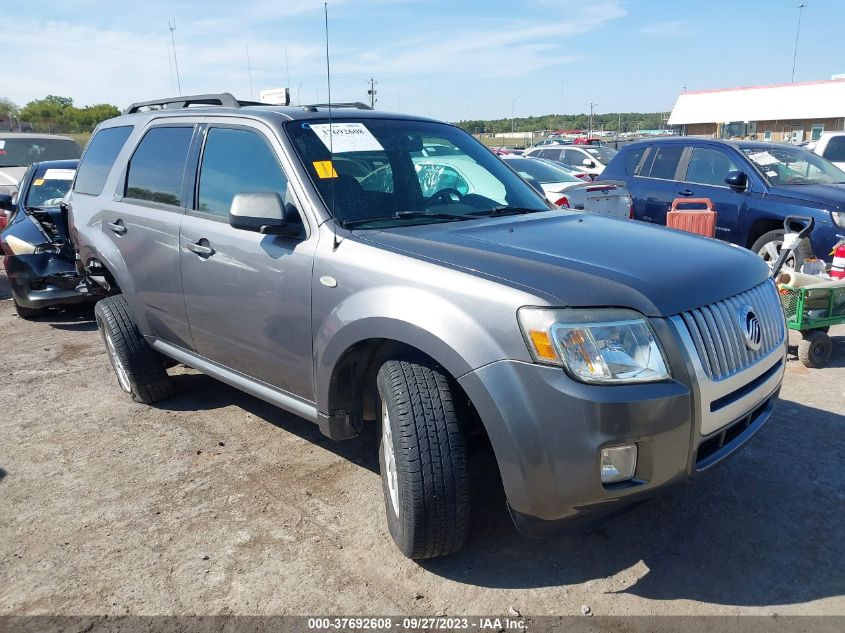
277 397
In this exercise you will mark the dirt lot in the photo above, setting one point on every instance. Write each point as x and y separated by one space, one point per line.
216 503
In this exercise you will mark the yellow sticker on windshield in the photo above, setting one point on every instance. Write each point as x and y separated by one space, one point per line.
325 169
37 182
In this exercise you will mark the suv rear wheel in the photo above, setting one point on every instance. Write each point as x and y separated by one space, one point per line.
768 247
423 460
139 369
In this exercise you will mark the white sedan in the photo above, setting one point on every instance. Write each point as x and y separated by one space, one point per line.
566 191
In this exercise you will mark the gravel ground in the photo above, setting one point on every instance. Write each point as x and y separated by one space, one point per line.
214 502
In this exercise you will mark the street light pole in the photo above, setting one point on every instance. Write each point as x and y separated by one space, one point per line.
592 105
797 33
513 110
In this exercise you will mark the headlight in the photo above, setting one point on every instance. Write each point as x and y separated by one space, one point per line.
597 346
838 218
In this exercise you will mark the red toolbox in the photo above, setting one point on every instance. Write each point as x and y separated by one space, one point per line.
699 221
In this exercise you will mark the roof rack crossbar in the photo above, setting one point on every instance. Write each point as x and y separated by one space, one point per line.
350 104
224 99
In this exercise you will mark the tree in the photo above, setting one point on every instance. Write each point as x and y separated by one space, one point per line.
8 107
58 114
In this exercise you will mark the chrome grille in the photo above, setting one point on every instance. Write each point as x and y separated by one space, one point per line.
716 331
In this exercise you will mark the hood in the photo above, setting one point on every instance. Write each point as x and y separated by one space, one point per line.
832 196
585 260
11 176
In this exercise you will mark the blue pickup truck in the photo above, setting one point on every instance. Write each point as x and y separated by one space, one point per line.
753 185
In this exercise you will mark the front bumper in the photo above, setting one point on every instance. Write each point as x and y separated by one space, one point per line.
547 431
44 280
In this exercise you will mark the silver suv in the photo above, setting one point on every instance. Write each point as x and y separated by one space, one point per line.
316 258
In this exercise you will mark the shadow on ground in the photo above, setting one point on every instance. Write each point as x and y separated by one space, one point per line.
762 529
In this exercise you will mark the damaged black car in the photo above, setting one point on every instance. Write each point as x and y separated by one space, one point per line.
40 260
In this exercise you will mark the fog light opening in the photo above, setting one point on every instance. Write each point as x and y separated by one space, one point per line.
618 463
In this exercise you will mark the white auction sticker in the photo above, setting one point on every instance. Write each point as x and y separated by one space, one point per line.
347 137
59 174
2 144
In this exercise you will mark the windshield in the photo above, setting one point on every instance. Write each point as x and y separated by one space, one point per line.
386 172
602 154
48 187
540 170
783 165
22 152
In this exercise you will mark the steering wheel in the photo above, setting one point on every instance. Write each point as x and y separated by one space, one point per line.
446 196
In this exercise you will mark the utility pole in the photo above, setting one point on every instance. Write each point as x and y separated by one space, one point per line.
372 93
797 33
287 68
249 69
592 105
172 28
513 110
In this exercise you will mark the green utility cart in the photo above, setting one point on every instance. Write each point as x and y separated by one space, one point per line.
811 311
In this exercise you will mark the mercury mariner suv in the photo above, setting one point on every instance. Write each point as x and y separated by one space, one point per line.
310 257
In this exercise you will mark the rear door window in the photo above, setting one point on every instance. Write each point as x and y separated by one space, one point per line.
157 168
98 160
632 159
237 161
835 150
709 166
664 162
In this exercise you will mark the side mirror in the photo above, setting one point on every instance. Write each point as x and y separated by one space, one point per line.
737 180
6 202
588 163
262 213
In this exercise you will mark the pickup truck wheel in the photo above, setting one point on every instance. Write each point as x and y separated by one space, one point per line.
815 348
139 369
29 313
423 460
768 246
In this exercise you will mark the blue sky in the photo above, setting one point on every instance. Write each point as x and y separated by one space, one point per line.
447 59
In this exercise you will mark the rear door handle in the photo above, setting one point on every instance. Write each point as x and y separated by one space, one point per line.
685 192
117 227
201 248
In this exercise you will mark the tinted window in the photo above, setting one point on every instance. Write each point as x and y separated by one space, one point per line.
835 150
709 167
665 162
236 161
22 152
158 165
632 159
99 158
573 157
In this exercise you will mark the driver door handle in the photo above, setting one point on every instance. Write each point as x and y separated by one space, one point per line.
685 192
117 227
201 248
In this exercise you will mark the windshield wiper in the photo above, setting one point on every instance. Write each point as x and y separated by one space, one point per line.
408 215
506 210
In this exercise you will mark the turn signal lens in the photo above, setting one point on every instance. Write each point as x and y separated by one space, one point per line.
543 345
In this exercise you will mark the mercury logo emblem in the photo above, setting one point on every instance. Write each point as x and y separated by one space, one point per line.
752 331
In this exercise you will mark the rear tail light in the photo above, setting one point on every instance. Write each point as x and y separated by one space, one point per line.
631 210
585 176
562 202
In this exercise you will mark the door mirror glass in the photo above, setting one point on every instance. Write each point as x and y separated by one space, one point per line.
736 180
588 163
6 201
262 212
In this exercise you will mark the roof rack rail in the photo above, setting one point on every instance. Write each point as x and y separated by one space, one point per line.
224 99
351 104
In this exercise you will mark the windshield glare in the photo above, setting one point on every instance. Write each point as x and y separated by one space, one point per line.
395 172
49 187
782 165
22 152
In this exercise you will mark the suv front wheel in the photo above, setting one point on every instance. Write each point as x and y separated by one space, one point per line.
423 460
139 369
769 244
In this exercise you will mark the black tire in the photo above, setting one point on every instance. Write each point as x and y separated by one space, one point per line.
431 517
815 348
776 238
29 313
139 368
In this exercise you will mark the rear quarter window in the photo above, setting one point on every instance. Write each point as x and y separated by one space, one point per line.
99 158
631 159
